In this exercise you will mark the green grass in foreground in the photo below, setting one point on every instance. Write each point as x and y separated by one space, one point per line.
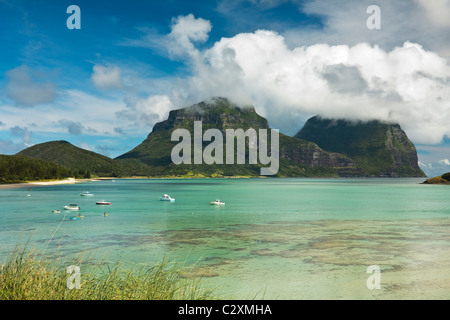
30 276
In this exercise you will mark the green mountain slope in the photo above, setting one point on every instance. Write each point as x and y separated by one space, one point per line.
380 149
74 158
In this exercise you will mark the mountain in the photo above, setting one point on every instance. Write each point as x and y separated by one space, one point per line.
379 149
19 169
219 113
323 148
74 158
297 157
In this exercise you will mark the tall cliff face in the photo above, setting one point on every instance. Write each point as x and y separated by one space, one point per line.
297 157
218 113
379 149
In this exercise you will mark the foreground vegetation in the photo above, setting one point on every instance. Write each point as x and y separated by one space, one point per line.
31 276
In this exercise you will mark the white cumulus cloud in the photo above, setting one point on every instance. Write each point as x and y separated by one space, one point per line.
146 111
106 77
187 30
408 84
438 11
27 89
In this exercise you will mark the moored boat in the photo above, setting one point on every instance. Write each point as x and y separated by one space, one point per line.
166 197
217 202
103 202
72 207
86 194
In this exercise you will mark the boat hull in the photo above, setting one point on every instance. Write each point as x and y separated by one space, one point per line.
166 197
71 208
213 203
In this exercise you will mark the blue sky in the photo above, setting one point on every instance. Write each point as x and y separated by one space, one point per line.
103 87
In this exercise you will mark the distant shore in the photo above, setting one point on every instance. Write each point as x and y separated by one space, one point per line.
30 184
442 179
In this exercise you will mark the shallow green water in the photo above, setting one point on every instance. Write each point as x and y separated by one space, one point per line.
274 238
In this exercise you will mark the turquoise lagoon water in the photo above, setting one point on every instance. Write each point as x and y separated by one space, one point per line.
274 238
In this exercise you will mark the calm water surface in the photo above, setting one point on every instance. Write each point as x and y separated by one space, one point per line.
274 238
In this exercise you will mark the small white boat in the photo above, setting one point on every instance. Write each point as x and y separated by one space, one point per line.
72 207
56 211
166 197
217 203
86 194
104 203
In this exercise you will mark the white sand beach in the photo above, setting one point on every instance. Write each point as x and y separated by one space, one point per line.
55 182
43 183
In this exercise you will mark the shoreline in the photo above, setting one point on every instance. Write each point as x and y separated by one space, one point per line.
30 184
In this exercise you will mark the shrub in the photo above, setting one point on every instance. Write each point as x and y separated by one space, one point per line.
446 176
